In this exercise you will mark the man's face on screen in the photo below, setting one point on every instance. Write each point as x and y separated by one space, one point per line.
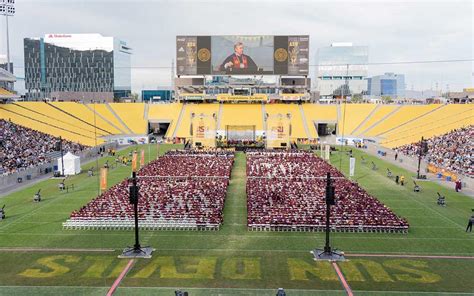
239 49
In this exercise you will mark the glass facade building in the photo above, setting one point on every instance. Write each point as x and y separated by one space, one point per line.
338 63
76 63
388 84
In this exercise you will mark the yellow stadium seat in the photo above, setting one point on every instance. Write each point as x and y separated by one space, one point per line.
183 129
25 118
165 112
132 114
379 114
298 130
436 123
102 110
401 116
352 115
242 114
85 114
4 92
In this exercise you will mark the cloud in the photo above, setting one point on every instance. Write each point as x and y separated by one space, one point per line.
393 30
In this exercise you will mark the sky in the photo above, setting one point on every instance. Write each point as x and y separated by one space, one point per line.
394 31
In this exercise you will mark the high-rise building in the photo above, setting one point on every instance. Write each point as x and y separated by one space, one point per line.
77 67
338 63
388 84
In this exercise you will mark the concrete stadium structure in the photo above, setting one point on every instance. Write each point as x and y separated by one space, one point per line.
388 125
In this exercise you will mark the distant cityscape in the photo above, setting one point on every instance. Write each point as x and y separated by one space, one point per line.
92 67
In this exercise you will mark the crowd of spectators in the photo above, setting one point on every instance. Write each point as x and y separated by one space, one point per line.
453 151
286 191
22 147
183 186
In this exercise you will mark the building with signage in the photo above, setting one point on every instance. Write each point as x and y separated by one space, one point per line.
157 95
81 67
339 63
388 84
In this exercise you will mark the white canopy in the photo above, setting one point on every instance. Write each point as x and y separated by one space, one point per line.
72 164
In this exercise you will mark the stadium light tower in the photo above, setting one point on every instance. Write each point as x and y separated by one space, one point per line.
7 8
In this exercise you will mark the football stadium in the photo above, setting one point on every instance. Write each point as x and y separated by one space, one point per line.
245 181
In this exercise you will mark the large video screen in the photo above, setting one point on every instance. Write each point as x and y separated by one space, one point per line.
242 55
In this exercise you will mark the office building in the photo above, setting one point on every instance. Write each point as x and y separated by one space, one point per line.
388 84
81 67
339 63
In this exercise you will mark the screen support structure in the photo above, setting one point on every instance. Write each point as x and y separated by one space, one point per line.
137 251
327 253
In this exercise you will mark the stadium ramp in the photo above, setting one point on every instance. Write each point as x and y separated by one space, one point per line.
305 122
109 119
145 112
104 112
219 117
180 118
118 118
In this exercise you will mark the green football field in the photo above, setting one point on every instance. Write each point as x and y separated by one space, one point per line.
436 257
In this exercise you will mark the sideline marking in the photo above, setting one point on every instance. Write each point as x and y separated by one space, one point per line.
53 250
120 278
342 279
244 289
410 256
367 254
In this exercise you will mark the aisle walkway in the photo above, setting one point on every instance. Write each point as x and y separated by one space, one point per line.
235 213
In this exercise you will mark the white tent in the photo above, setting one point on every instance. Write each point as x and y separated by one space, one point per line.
72 164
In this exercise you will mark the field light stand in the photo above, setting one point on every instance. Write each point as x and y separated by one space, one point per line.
136 251
328 253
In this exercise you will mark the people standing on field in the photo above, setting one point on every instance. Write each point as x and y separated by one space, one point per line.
470 222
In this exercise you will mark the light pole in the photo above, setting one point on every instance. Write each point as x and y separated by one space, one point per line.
7 8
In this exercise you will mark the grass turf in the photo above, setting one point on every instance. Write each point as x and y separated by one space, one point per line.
234 261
